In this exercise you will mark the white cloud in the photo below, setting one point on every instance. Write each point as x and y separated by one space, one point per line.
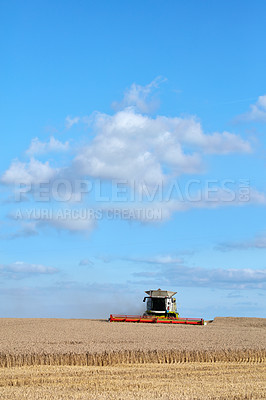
135 147
21 269
140 97
257 111
188 131
71 121
32 172
54 145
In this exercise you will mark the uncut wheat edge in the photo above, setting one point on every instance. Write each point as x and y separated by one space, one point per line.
131 357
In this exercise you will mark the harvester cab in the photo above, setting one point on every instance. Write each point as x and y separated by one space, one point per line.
161 303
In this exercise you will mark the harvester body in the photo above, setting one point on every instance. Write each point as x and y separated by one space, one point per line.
161 303
160 308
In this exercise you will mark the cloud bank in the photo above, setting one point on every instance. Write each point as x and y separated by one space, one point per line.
180 275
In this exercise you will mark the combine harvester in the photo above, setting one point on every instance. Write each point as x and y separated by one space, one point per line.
160 308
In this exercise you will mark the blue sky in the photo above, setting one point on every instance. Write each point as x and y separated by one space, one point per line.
132 157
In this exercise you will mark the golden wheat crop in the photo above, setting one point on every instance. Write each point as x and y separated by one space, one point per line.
109 358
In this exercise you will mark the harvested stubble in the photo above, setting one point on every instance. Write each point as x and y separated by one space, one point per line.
219 381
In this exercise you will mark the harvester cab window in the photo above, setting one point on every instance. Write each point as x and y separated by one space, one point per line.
158 304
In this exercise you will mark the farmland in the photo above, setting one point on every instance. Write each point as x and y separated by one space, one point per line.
90 359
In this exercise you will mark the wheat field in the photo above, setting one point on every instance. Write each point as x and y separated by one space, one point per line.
89 359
